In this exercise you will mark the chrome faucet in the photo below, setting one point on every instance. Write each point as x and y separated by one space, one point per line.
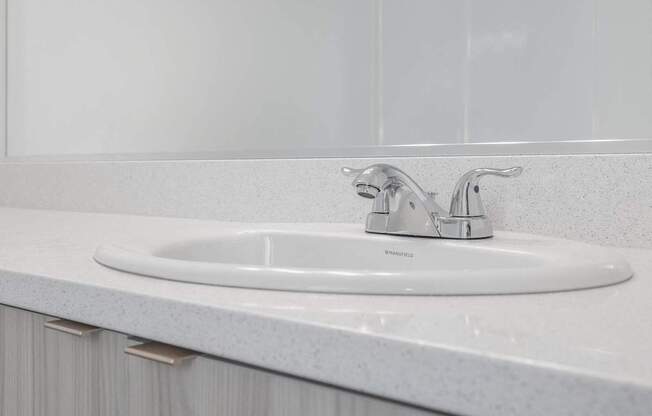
402 207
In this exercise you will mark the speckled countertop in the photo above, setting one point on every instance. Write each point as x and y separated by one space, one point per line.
585 352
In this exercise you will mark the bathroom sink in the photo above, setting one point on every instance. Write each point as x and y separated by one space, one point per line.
343 261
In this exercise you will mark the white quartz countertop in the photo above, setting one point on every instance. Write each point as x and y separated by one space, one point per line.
585 352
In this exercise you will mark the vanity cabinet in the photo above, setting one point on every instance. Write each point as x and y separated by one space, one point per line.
71 369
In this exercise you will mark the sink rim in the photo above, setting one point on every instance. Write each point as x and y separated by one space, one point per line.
611 269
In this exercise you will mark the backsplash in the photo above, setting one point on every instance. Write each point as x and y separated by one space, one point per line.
604 199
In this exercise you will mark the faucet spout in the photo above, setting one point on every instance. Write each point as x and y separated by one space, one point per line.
373 179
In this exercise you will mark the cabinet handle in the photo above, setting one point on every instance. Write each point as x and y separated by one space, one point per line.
71 327
161 353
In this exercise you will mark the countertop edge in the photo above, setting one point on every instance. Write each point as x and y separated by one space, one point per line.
490 383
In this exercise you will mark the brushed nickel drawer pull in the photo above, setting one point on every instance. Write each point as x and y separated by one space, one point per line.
161 353
71 327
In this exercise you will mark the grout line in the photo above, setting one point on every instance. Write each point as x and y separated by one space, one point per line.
595 121
466 76
5 47
379 105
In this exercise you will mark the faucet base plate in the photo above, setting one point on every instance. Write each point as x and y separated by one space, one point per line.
454 228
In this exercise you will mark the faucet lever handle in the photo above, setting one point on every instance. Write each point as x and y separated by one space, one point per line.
466 200
351 171
514 171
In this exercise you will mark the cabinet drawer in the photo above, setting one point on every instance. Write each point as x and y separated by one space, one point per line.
210 386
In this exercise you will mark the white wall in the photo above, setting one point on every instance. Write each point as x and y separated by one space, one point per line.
168 76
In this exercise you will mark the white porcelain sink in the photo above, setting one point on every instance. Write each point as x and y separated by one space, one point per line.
343 261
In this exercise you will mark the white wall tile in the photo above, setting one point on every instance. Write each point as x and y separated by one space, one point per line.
422 65
166 75
623 106
530 70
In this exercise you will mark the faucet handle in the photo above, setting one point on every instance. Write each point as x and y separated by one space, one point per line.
514 171
466 201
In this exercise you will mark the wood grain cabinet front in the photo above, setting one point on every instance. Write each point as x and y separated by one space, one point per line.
21 353
48 370
206 386
83 371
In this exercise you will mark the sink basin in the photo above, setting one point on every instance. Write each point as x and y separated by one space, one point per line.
345 261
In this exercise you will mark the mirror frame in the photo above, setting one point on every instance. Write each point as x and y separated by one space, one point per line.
513 148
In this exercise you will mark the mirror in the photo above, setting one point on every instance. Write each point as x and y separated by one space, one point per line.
296 78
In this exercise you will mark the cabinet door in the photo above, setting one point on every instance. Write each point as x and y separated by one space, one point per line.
207 386
83 374
47 372
21 341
